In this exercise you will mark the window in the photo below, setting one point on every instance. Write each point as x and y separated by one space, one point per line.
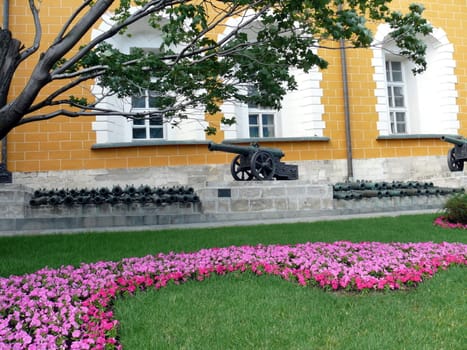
301 112
396 97
260 119
415 104
148 128
261 124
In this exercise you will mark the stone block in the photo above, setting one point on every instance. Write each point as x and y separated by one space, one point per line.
261 204
240 205
207 194
120 220
319 191
197 207
281 203
164 220
293 204
9 210
223 205
309 203
210 206
295 191
343 204
246 192
134 221
364 203
274 192
193 219
404 203
104 209
45 211
326 203
8 225
151 220
420 201
7 196
92 222
179 219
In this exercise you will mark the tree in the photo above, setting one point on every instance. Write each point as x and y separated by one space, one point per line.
262 40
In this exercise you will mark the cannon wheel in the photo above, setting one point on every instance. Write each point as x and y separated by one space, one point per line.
239 171
263 166
453 164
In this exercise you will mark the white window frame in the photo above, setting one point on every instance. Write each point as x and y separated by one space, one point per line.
110 129
302 110
259 113
264 129
431 96
147 124
397 90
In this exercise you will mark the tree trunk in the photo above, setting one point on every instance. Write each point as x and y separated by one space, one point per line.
9 60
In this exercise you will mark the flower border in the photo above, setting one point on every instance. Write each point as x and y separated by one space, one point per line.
442 221
71 307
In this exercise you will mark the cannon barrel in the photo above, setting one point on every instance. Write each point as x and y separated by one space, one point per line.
459 141
244 150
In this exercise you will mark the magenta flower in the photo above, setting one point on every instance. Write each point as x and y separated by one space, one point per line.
70 307
443 222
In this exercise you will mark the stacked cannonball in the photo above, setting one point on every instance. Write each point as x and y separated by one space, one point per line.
127 195
366 189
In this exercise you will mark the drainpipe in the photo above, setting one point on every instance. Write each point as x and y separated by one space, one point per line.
345 86
348 135
5 175
6 14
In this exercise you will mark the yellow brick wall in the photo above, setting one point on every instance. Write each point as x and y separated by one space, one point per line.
450 16
65 144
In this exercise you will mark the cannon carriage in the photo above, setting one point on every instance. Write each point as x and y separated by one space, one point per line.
458 154
255 162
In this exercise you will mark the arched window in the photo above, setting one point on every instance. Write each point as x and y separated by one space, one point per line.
415 104
301 114
114 129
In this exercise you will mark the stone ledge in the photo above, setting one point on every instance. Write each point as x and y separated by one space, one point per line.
298 201
265 196
43 225
15 226
108 210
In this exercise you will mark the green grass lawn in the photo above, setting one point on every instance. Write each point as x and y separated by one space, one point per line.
264 312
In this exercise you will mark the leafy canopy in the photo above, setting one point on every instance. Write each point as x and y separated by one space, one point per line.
212 50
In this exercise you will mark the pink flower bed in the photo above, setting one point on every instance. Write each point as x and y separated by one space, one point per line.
443 222
71 307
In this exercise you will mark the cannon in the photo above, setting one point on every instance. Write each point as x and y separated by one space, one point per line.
255 162
458 154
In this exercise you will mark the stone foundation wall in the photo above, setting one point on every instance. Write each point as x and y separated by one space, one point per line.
230 203
433 169
271 196
222 199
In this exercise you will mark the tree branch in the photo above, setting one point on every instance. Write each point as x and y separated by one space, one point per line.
148 9
38 32
92 111
220 17
49 100
182 55
73 16
81 72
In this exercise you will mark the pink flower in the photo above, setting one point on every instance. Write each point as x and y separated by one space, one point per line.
443 222
73 305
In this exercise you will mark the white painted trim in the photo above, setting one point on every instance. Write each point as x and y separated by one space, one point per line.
438 82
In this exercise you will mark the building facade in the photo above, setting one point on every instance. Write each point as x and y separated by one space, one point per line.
365 117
